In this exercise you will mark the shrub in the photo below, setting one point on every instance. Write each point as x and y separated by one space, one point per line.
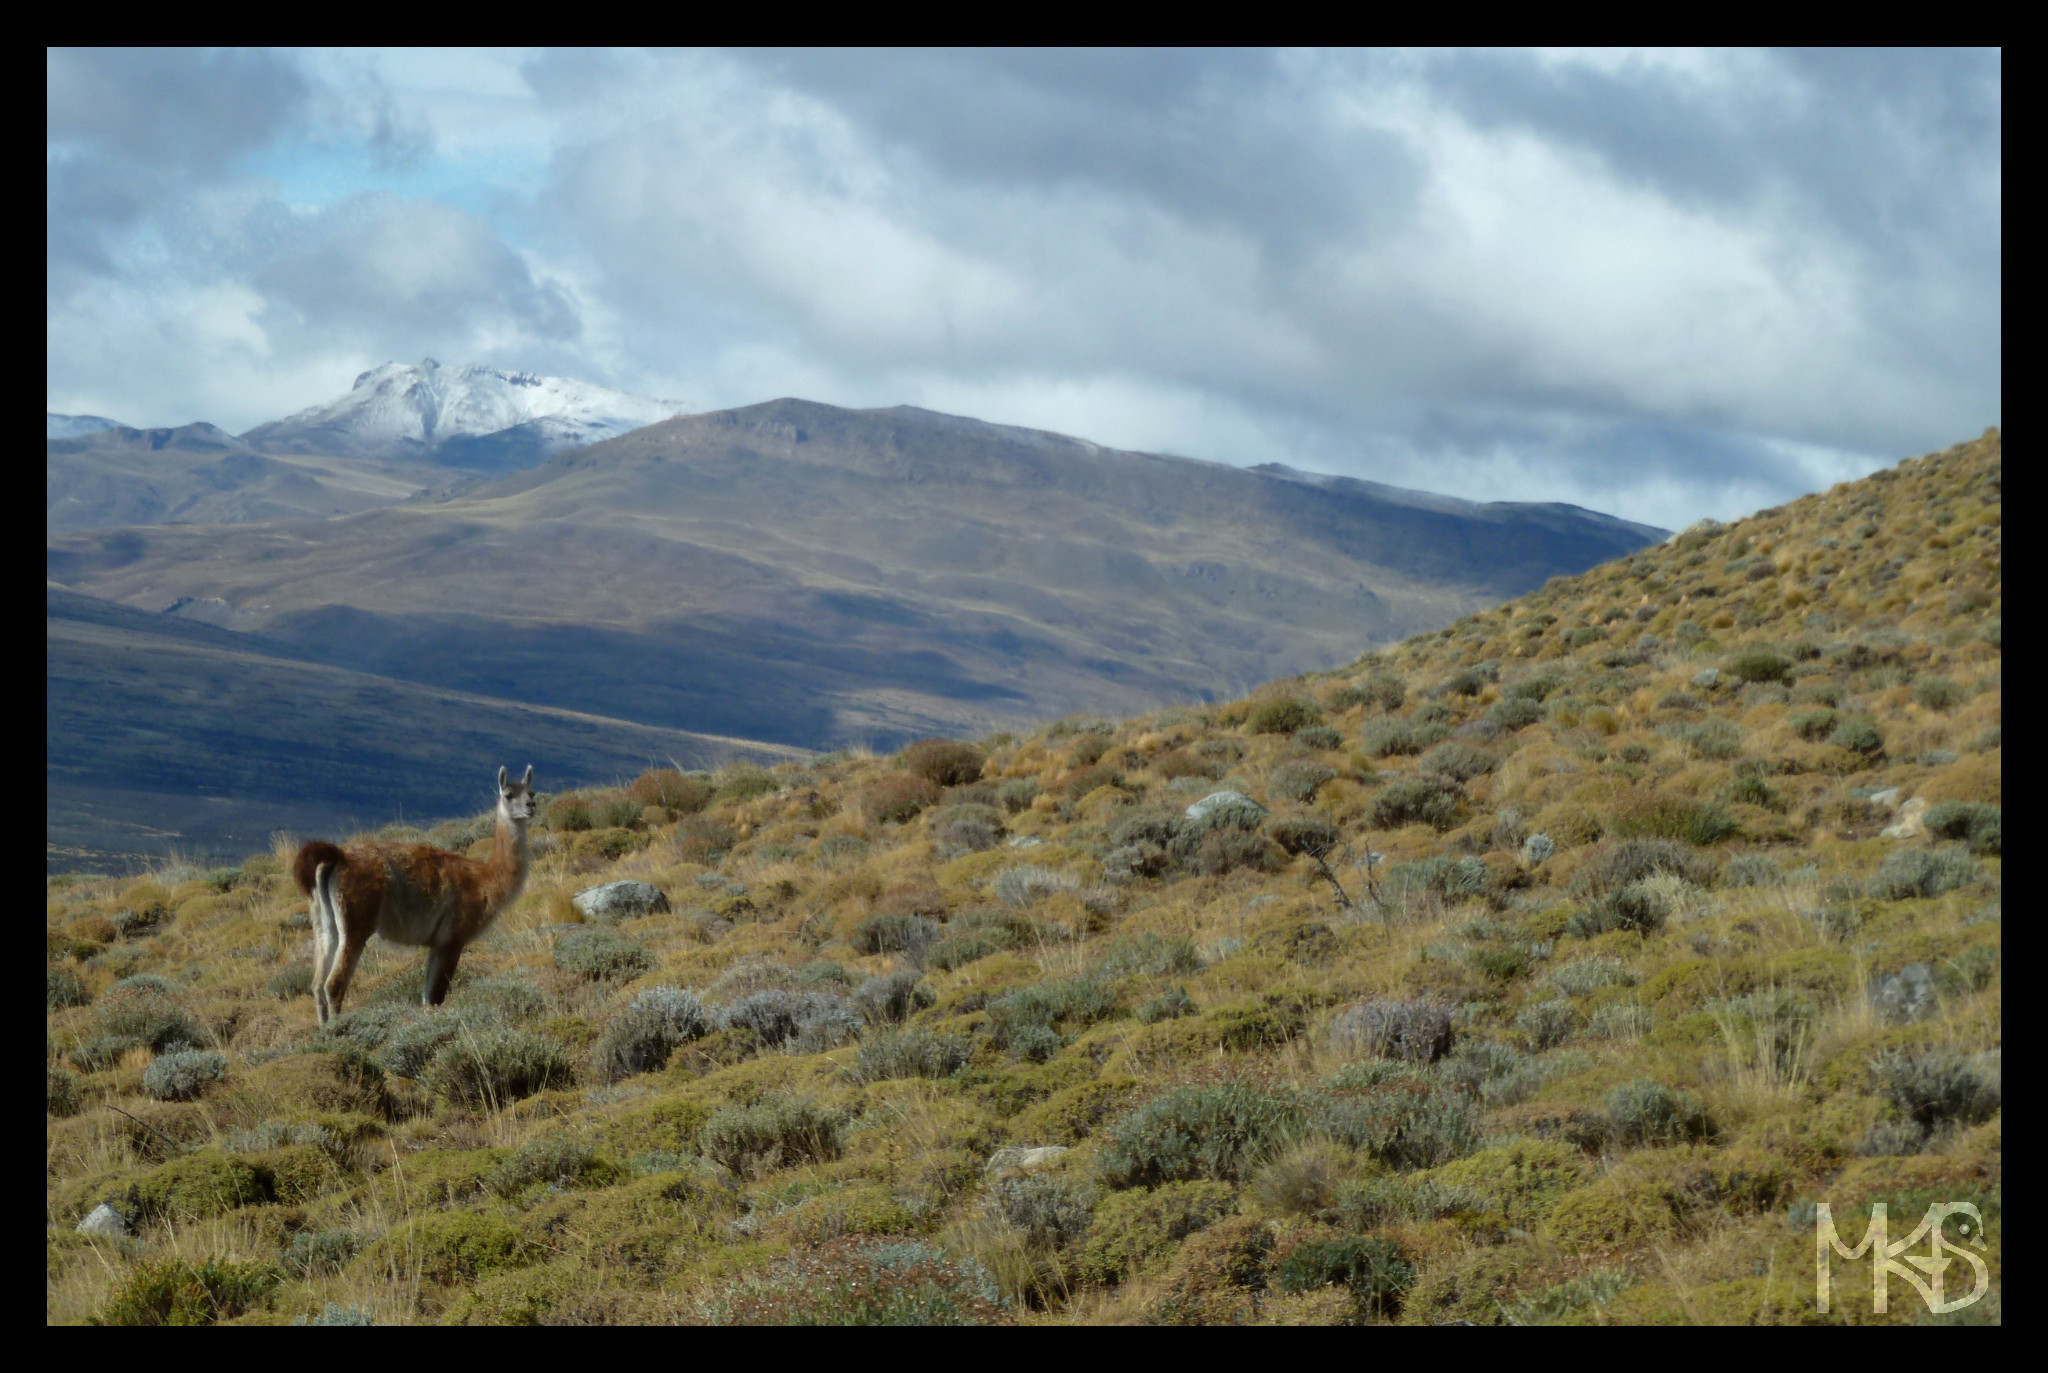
1936 1087
184 1075
640 1038
1418 1031
1858 734
1283 715
1017 794
905 934
144 1012
1460 762
1908 873
1040 1005
567 815
910 1053
451 1246
1436 879
1171 1004
1813 725
889 998
1583 975
555 1159
1638 907
63 990
1320 737
745 782
1372 1267
1226 850
1759 665
1050 1212
1514 712
1662 815
1646 1112
1469 682
944 762
1972 821
863 1282
1133 1233
1027 883
1219 1132
1149 955
601 954
176 1292
1309 834
101 1052
318 1253
803 1022
974 828
333 1313
492 1066
1546 1024
295 981
894 800
1707 738
701 839
60 1097
1428 799
671 790
1300 779
1751 870
1937 693
1394 734
1404 1123
774 1132
1618 864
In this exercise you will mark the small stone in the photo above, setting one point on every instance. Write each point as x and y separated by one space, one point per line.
620 900
1024 1158
1888 798
1025 841
1708 678
104 1220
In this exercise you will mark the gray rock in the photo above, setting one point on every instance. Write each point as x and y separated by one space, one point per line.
1024 1159
1232 808
620 900
1025 841
1888 798
1909 825
1708 678
1907 994
104 1220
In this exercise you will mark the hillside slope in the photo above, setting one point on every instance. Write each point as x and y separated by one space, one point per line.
815 576
162 734
1686 918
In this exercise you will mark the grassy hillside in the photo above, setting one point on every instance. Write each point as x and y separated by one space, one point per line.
823 577
1686 916
163 735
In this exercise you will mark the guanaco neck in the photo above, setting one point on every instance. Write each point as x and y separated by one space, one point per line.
509 862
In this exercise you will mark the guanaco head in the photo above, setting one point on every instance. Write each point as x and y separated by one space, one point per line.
515 799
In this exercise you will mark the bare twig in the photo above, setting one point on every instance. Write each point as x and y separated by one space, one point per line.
147 1126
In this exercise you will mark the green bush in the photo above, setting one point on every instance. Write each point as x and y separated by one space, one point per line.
1634 907
1310 834
184 1075
601 954
1299 780
944 762
1283 715
640 1038
1514 712
450 1247
63 990
1075 1001
1858 734
294 982
1938 693
175 1292
1459 761
1050 1212
1707 738
1149 955
1417 1031
1759 665
1813 725
1136 1232
863 1282
1017 793
555 1159
60 1097
774 1132
1974 822
1394 734
1547 1024
1402 1122
1616 865
491 1067
1372 1267
1227 850
144 1012
1219 1132
1171 1004
1936 1088
1646 1112
910 1053
567 815
1590 973
317 1253
1428 799
1908 873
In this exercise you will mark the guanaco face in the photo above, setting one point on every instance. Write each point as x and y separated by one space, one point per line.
516 799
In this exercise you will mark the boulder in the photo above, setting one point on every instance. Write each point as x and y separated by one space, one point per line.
620 900
1909 825
1025 1158
104 1220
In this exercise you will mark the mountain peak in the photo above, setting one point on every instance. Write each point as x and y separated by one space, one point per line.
474 415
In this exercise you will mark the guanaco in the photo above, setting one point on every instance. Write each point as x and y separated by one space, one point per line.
413 894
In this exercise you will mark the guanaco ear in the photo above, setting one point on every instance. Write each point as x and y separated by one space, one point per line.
527 781
501 779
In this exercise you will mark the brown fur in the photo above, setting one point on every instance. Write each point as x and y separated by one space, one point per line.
411 894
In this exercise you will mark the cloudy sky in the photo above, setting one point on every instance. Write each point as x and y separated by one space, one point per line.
1665 284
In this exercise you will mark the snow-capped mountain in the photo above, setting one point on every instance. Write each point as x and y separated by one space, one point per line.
75 426
472 416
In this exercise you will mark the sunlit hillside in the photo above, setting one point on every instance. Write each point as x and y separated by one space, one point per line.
1552 968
